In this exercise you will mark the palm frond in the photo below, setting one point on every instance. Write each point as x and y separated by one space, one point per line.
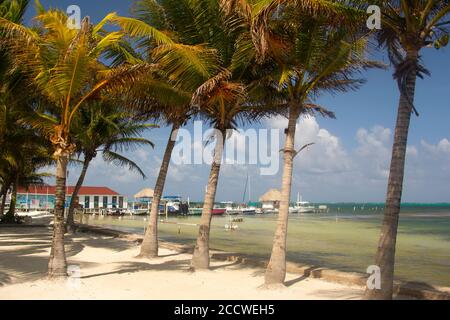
121 161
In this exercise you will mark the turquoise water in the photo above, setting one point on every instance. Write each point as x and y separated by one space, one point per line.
345 238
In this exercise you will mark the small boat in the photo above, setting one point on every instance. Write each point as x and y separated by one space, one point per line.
139 212
218 211
195 211
230 210
198 211
248 210
302 206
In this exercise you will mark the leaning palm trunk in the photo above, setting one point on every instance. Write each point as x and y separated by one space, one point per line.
12 205
200 259
385 257
70 214
149 248
57 266
276 269
4 193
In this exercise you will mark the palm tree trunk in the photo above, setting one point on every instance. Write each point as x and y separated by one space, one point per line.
200 258
4 193
70 220
149 248
57 266
276 269
385 257
9 217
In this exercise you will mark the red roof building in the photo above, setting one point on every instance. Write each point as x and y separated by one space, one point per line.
45 189
96 198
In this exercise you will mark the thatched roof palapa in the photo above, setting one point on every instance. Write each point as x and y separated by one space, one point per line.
271 195
145 193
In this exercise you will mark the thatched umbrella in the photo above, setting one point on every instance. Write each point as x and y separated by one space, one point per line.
273 195
145 193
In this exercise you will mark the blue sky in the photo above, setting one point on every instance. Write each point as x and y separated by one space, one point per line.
351 156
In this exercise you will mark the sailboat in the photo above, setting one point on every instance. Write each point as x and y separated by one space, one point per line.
245 209
302 206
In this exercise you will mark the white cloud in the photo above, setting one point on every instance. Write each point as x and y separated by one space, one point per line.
328 170
327 155
441 148
373 152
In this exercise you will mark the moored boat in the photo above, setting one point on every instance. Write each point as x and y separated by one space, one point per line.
195 211
218 211
302 206
198 211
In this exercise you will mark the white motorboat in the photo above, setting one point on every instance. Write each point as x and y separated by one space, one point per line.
302 206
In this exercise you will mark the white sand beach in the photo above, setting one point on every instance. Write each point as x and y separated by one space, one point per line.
109 269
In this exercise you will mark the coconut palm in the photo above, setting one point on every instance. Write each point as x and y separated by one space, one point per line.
175 116
313 55
102 127
191 57
64 64
407 28
23 153
183 61
20 147
223 98
159 98
223 102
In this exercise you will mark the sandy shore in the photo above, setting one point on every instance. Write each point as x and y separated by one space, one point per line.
108 269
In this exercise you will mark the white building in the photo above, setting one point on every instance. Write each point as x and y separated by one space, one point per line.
43 197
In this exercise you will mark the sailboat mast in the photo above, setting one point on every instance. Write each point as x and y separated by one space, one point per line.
245 189
249 190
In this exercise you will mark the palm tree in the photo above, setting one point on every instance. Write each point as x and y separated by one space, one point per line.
20 147
222 101
183 64
64 64
23 153
224 98
102 127
176 116
408 27
313 55
160 98
191 58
